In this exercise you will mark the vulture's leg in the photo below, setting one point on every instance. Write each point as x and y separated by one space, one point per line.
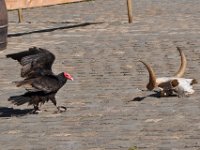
60 108
36 109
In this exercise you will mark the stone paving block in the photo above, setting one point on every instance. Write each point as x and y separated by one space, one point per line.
102 57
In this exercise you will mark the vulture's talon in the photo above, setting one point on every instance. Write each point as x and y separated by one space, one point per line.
61 109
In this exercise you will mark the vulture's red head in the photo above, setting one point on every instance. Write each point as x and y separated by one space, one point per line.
68 76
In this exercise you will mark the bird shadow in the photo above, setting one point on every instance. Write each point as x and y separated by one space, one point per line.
10 112
54 28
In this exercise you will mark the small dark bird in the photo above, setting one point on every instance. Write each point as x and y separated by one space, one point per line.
40 82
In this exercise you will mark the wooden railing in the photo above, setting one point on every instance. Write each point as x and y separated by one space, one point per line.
20 4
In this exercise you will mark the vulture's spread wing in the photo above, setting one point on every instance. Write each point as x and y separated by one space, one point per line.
35 62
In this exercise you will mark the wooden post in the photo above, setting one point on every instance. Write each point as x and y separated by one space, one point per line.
129 7
20 16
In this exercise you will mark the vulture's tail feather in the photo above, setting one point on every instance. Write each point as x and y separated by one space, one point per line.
19 100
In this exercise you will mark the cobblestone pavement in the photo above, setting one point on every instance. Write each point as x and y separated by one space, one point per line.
93 42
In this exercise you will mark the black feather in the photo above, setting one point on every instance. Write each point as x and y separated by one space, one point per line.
19 100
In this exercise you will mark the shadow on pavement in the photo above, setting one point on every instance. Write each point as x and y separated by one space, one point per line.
55 28
9 112
156 95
